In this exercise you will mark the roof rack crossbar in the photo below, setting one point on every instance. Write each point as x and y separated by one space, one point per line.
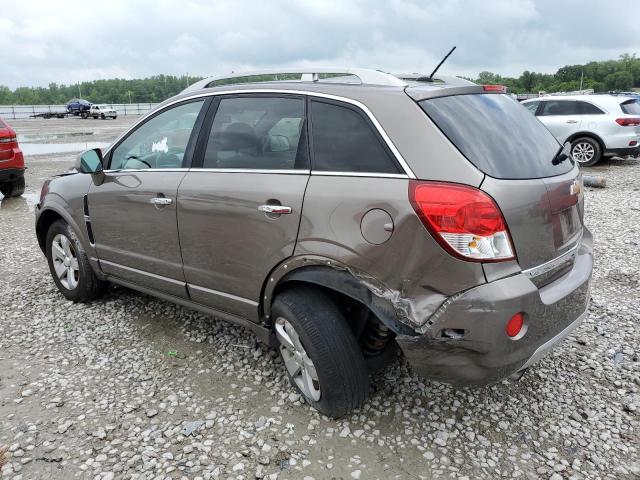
365 76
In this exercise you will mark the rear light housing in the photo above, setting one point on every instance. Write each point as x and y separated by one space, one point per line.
464 220
495 88
8 140
628 122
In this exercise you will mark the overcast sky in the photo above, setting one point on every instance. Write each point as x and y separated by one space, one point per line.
66 41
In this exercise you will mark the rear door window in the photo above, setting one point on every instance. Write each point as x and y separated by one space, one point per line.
343 140
258 133
497 135
560 107
631 107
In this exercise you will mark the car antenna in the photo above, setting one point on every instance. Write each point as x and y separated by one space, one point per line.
430 77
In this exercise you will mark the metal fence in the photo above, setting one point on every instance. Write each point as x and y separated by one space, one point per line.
13 112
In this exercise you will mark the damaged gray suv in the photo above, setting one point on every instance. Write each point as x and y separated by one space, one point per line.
339 215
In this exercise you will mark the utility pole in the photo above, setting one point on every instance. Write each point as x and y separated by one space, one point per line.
79 91
129 92
581 78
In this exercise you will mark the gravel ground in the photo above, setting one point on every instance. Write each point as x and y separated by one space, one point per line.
133 387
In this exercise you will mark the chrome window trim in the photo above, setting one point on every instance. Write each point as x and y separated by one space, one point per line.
252 170
551 264
127 170
223 294
359 174
409 173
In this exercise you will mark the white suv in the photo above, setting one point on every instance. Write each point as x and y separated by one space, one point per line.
600 125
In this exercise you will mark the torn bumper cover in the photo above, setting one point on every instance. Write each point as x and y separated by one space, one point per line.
483 353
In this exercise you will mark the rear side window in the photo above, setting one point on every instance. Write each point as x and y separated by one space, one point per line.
345 141
497 135
590 109
560 107
631 107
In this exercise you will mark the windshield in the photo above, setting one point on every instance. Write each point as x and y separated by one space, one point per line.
498 135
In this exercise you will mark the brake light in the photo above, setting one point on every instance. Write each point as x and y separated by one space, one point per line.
464 220
8 140
494 88
628 121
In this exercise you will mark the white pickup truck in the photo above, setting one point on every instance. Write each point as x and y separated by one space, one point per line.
102 111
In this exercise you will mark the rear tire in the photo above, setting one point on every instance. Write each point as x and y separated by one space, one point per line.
69 264
13 189
323 359
586 151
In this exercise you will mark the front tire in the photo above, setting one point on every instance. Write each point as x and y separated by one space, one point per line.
586 151
69 264
13 189
319 351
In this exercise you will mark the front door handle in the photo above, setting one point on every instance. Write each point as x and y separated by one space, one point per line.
161 201
572 121
275 209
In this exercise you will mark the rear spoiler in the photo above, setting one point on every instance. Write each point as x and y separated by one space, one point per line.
435 90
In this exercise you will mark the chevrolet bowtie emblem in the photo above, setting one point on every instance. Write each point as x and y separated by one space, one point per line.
575 188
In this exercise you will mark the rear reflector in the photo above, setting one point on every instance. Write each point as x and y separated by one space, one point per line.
465 221
628 121
514 325
494 88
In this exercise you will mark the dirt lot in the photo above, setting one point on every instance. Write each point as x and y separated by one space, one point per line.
112 389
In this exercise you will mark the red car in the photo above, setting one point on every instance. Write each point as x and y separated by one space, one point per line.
11 163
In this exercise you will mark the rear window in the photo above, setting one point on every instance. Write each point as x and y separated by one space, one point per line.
497 135
631 107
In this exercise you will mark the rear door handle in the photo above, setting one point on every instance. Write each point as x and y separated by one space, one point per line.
275 209
572 121
161 201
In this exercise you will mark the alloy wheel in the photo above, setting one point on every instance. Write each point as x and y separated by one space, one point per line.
583 152
65 261
297 361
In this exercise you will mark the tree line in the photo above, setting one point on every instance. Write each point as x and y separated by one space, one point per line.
620 75
116 90
610 75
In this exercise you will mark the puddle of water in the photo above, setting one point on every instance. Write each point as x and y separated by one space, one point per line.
39 137
27 201
49 148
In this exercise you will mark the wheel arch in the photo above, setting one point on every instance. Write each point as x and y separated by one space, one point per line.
591 135
333 276
45 220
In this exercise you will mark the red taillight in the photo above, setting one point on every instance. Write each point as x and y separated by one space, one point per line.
633 143
514 325
464 220
494 88
8 140
628 121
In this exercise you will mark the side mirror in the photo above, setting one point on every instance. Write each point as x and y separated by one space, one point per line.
90 161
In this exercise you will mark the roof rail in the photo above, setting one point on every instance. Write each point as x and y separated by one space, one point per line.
325 75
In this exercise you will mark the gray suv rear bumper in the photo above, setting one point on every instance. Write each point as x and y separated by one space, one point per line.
485 354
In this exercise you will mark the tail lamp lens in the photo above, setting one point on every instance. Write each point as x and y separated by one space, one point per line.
494 88
628 121
8 140
464 220
514 325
